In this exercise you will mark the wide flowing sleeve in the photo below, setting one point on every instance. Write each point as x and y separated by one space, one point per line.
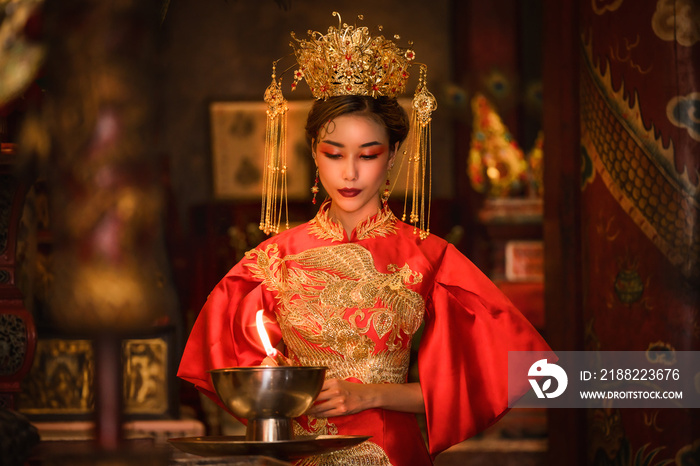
224 334
470 326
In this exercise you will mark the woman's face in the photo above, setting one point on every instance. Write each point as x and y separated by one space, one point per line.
353 158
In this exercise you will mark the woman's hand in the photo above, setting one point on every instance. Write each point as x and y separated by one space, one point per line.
268 361
277 360
341 397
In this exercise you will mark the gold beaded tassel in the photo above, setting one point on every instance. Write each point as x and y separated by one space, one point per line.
274 189
420 157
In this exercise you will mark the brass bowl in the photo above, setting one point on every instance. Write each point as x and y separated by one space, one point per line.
268 397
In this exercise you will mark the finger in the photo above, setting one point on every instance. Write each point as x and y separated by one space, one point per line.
282 360
332 383
326 390
321 410
324 395
333 412
268 362
315 410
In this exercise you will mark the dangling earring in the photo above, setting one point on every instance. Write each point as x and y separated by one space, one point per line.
386 193
314 188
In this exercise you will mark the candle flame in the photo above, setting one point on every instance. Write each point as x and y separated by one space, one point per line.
272 352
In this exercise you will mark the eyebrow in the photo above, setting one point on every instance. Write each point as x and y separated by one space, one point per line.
337 144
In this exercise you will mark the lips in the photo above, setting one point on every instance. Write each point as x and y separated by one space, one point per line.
349 192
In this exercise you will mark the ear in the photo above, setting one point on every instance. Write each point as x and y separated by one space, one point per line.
313 151
392 155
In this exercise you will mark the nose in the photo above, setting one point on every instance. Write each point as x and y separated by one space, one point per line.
350 169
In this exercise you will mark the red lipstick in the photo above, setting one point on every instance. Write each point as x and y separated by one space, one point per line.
349 192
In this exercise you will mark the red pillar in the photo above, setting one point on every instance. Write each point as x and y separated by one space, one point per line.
562 219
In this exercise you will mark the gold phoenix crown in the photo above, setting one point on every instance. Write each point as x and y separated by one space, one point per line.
349 61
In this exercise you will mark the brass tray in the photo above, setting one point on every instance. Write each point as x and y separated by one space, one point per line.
235 445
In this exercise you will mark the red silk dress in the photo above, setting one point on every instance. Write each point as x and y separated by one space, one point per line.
353 305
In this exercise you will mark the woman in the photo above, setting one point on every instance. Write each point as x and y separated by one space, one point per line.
349 289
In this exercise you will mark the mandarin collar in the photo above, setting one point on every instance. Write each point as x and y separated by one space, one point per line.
381 224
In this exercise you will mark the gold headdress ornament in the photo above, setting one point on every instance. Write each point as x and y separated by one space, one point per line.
348 60
274 196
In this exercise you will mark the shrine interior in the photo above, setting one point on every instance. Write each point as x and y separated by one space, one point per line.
563 166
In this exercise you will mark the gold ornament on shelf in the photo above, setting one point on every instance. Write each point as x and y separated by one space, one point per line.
496 165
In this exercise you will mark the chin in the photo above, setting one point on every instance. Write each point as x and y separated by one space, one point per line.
353 205
346 206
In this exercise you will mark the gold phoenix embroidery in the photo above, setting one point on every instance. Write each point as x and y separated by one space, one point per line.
367 453
381 225
330 299
334 309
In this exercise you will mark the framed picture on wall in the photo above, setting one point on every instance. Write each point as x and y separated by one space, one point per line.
61 382
238 150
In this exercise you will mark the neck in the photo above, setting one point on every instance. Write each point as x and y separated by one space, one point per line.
350 220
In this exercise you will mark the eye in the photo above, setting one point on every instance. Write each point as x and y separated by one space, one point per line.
370 156
332 155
